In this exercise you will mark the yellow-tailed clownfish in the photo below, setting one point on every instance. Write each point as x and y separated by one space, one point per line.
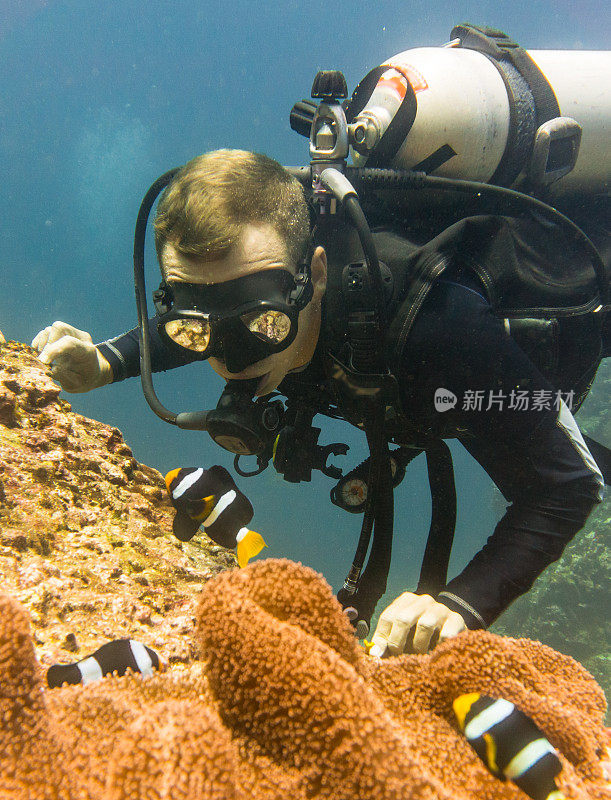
510 744
210 497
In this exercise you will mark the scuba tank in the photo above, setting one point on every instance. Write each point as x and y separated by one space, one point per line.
484 109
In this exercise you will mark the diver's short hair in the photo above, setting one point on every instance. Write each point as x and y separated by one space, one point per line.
203 210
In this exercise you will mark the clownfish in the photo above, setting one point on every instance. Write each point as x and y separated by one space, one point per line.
116 656
210 497
510 744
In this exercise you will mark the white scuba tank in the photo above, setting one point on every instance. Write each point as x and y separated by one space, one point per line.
463 111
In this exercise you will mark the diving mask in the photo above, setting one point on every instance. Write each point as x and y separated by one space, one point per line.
240 321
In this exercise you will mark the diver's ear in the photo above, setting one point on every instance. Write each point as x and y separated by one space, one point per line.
318 270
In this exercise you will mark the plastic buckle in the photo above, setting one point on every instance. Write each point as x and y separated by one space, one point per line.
356 285
555 151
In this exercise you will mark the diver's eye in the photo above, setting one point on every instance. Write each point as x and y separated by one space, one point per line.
192 334
271 326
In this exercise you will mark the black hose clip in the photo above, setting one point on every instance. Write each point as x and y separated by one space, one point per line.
335 449
297 453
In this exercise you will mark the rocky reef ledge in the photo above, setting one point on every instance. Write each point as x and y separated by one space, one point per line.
86 540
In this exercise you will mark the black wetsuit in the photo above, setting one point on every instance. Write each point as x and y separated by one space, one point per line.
535 455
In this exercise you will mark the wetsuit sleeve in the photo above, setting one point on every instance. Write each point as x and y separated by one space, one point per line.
532 449
123 353
553 483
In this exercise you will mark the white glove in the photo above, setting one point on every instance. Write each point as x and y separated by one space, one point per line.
76 364
420 613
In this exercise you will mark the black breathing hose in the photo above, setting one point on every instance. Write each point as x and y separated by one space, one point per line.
140 291
358 219
370 509
376 179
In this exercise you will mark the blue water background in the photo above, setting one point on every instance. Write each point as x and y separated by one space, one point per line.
98 99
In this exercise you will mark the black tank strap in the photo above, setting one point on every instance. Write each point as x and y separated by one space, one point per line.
531 98
500 47
401 123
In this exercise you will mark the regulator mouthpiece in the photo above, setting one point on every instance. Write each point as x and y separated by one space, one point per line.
241 425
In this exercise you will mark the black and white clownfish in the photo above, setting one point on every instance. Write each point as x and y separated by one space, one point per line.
210 497
510 744
116 656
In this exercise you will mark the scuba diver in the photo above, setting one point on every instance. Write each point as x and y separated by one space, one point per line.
482 319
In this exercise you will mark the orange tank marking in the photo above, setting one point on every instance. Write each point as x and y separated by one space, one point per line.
395 82
409 73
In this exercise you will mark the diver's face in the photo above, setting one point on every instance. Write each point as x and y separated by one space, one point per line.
259 248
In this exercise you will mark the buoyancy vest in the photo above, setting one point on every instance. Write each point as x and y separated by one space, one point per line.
532 277
524 272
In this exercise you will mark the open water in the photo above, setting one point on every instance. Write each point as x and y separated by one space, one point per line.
98 99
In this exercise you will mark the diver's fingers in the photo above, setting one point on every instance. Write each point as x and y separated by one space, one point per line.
453 625
67 378
378 650
64 348
380 636
41 338
75 364
53 333
436 619
60 329
397 620
428 624
397 638
48 335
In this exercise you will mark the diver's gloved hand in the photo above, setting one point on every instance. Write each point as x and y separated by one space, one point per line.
414 623
76 364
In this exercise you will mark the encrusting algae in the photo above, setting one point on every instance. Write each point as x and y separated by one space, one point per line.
86 540
280 700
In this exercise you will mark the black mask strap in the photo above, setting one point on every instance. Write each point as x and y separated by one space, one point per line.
301 295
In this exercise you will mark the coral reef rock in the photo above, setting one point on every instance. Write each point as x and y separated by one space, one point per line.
285 704
86 541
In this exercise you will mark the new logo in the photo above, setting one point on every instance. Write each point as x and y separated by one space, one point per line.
444 399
